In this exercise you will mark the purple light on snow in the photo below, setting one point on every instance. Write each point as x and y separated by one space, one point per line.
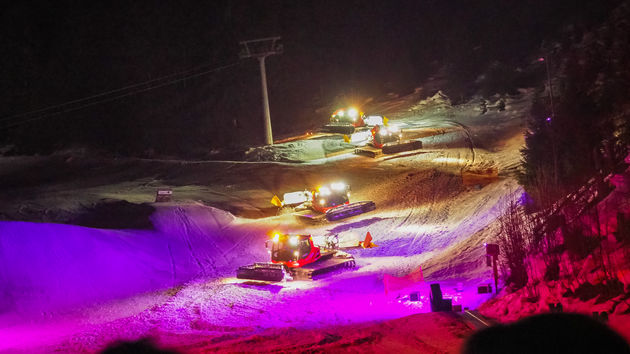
525 199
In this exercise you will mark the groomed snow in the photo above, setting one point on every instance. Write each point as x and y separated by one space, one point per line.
75 288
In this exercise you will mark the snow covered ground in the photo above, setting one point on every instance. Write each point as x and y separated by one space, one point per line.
77 288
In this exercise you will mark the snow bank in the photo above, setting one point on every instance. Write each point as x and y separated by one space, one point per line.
46 267
437 102
300 151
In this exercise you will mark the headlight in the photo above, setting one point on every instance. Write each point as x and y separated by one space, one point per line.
324 191
293 240
352 112
338 186
322 201
276 237
296 254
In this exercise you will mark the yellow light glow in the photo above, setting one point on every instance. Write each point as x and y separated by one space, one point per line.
338 186
276 237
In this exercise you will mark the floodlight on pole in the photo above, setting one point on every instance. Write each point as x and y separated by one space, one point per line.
550 119
260 49
548 85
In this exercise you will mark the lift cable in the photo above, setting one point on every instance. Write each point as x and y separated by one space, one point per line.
45 112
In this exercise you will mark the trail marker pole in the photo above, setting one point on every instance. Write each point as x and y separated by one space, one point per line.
492 250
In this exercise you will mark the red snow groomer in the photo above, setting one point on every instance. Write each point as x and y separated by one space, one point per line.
295 257
344 121
330 201
386 139
385 135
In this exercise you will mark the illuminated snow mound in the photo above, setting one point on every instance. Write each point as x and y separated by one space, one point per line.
439 101
299 151
52 266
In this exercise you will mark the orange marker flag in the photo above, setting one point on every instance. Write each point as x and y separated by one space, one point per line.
367 243
276 201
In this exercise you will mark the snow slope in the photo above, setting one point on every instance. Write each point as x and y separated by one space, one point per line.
87 287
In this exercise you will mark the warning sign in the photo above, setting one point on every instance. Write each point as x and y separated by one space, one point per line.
163 195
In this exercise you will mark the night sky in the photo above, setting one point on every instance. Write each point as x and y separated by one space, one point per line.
59 51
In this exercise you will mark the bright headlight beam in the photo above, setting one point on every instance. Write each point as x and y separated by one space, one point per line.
338 186
324 191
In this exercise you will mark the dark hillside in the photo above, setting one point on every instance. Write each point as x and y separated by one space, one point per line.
584 130
334 53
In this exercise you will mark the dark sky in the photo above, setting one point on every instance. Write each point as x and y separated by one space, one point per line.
57 51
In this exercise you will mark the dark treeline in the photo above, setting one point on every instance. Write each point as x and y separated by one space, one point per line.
571 147
587 129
